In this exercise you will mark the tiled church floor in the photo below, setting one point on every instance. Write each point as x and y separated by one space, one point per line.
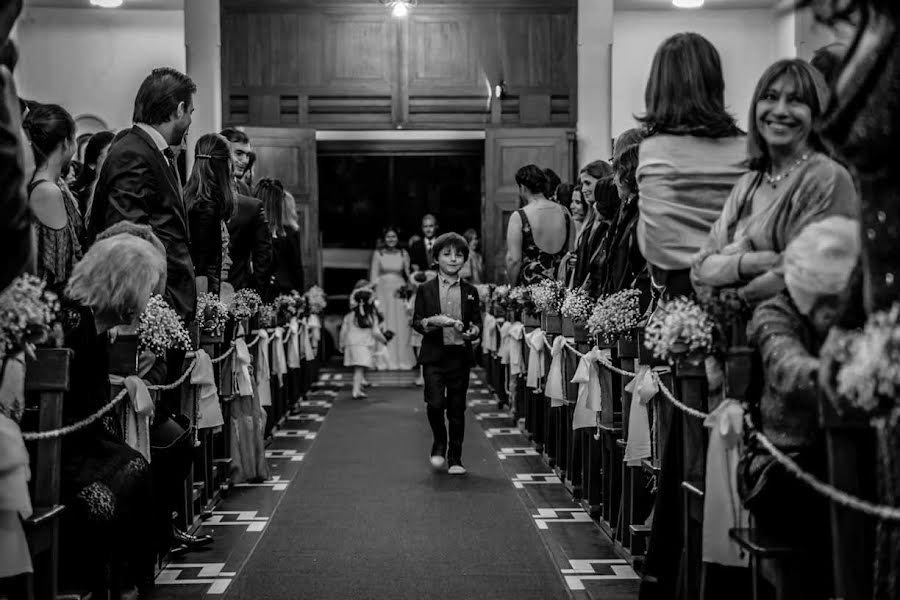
584 557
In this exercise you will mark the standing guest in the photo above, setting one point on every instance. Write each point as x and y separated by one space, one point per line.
286 270
389 272
58 223
538 234
624 266
95 153
553 182
241 154
473 270
251 243
692 156
420 251
448 315
600 197
248 177
791 183
81 141
579 211
210 201
563 196
139 181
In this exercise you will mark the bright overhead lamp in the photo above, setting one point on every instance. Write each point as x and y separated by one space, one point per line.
400 8
107 3
687 3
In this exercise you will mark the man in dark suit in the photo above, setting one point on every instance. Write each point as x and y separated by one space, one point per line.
448 315
139 181
251 244
240 156
421 254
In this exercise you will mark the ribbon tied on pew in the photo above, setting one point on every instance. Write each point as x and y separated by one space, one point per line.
209 411
554 386
243 384
643 388
489 343
505 342
263 369
137 414
306 346
536 341
587 376
15 472
314 324
293 344
516 356
279 362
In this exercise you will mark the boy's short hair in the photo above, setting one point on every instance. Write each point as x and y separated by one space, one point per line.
450 240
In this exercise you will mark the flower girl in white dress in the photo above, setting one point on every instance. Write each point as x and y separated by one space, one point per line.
360 335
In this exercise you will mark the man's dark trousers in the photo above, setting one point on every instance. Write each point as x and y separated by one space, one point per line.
446 384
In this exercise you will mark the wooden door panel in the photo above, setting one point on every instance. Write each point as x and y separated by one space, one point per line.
289 155
506 151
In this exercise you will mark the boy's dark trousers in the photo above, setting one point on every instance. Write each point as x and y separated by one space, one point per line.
446 384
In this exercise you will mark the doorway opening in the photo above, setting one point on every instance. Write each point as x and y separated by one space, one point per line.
367 186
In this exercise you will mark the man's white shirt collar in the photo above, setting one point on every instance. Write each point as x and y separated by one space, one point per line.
158 139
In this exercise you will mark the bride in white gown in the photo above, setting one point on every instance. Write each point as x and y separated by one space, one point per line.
390 272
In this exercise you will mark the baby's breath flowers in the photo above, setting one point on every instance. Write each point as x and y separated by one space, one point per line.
578 305
548 295
212 314
268 315
245 304
316 300
615 314
160 328
28 313
680 326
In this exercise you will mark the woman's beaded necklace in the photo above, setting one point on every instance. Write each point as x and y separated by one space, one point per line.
775 179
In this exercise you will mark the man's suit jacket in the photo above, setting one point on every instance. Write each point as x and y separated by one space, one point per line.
137 184
418 255
251 245
428 304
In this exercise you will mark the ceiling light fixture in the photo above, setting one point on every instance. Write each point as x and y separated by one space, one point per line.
400 8
687 3
107 3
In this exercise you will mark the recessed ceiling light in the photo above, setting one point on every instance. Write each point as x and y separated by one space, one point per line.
687 3
107 3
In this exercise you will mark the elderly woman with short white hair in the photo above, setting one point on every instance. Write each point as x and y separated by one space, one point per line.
105 484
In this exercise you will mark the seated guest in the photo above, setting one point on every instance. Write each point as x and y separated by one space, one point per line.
789 330
600 196
473 269
538 234
691 157
105 484
59 227
95 153
791 183
210 203
286 271
624 266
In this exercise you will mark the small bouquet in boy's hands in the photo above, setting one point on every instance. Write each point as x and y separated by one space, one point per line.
679 327
28 315
615 314
316 300
245 304
160 328
212 314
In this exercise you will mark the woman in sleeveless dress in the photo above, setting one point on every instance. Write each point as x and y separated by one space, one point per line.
389 273
58 224
540 219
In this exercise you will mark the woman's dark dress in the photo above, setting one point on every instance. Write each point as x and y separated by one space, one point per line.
105 485
537 264
205 221
287 266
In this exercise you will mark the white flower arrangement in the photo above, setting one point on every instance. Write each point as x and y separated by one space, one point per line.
677 327
160 328
316 300
548 295
615 314
289 305
578 305
484 292
212 314
245 304
28 313
868 373
268 315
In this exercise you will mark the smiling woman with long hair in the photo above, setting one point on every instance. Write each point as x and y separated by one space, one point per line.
210 201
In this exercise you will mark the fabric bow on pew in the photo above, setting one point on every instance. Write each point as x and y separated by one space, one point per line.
588 405
314 323
511 354
243 385
643 388
536 341
15 501
489 343
554 387
263 369
306 346
209 411
136 416
279 362
293 344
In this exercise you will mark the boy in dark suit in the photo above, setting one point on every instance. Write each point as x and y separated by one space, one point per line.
448 315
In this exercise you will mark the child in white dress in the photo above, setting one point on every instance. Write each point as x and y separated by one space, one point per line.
360 334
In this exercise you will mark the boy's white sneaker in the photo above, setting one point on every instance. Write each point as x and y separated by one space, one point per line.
438 461
457 469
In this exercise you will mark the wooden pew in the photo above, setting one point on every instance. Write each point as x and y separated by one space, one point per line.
611 454
46 381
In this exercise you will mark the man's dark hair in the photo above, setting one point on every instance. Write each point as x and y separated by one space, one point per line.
532 178
450 240
235 136
827 61
159 95
553 182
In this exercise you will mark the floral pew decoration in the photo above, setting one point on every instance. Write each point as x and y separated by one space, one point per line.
212 315
576 309
548 296
244 304
28 316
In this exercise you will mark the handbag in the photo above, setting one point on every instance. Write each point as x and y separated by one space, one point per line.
169 431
